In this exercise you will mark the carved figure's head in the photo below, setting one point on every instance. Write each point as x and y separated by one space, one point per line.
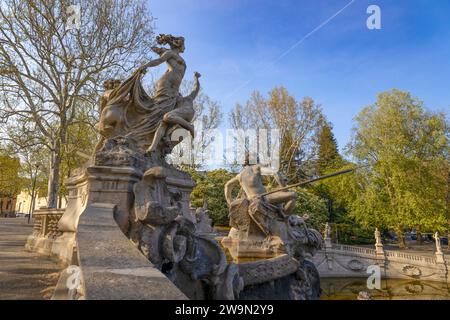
111 84
172 41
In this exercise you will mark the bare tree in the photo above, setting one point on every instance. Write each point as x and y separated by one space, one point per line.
297 122
207 117
48 71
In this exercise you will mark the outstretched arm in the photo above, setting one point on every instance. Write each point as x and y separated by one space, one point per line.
229 188
194 92
156 62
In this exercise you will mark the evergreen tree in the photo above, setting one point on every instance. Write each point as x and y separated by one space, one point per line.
329 157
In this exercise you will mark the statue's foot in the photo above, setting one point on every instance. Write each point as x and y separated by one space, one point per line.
150 151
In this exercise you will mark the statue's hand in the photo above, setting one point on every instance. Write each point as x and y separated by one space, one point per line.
197 75
158 50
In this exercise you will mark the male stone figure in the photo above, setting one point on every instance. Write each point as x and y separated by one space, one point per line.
263 224
377 237
109 85
251 181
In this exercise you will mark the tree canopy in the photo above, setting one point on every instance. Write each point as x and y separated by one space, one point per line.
406 148
49 72
10 181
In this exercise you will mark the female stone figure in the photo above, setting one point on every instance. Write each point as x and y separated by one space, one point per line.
168 85
142 115
182 115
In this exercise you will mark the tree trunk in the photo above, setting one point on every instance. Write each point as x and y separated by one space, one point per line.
401 239
53 179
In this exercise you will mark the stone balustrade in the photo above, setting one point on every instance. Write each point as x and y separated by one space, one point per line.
353 261
46 222
111 267
45 230
358 250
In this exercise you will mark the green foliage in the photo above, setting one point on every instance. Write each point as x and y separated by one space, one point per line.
10 182
312 205
81 140
210 186
329 157
349 232
407 149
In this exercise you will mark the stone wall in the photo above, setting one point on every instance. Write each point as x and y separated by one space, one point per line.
112 267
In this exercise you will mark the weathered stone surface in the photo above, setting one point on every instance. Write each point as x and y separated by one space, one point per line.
132 200
112 266
263 230
353 261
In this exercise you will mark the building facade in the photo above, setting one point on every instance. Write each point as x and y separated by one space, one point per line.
7 206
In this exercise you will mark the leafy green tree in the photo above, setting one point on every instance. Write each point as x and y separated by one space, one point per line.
329 160
407 150
10 181
312 205
209 188
328 154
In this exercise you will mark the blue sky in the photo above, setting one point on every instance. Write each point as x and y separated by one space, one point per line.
342 66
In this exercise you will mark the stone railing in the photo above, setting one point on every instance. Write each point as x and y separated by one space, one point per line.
46 222
45 230
351 261
111 266
410 257
358 250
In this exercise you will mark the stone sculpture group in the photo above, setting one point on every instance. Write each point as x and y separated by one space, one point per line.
136 135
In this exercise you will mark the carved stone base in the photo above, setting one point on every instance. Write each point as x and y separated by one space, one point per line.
64 248
280 278
39 244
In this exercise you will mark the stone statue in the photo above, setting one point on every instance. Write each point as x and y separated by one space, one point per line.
113 114
377 237
204 222
135 133
151 197
182 115
263 227
438 242
127 110
327 232
251 181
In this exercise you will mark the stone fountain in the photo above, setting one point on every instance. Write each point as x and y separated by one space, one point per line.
269 247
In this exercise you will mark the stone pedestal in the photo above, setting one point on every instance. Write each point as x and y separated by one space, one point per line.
244 250
97 184
379 249
440 257
327 243
45 230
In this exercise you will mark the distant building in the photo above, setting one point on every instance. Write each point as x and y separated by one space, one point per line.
7 206
23 202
